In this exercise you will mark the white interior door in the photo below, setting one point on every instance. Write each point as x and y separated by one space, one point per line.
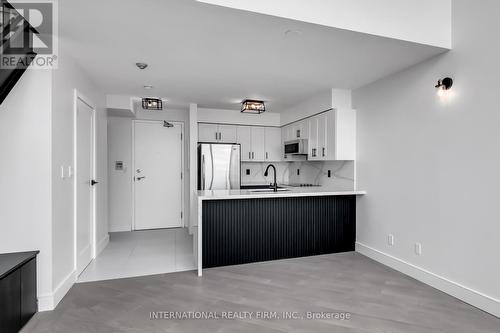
158 169
83 179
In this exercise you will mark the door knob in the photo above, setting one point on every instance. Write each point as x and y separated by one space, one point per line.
140 178
93 182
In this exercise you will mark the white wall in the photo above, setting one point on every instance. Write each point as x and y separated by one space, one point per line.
235 117
422 21
332 98
120 184
431 166
68 77
120 149
25 175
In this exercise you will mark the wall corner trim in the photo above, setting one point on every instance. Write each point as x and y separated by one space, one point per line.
48 302
466 294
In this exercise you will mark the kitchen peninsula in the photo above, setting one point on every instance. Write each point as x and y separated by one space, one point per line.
244 226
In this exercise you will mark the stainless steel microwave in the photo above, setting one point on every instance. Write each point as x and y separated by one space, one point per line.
296 147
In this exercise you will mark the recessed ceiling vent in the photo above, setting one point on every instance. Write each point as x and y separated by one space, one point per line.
152 104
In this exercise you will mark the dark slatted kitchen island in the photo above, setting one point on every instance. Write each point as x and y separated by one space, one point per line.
243 228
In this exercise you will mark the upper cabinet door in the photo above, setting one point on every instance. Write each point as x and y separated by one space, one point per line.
273 144
288 133
258 144
244 138
227 134
301 129
322 136
208 133
331 135
313 138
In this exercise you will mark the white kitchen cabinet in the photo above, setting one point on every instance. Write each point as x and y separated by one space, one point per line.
216 133
274 146
287 133
333 136
313 139
227 134
325 133
301 129
244 138
258 143
208 133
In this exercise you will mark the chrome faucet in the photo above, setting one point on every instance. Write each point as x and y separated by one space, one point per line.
274 185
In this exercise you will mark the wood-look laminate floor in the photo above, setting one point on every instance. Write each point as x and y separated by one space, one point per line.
377 298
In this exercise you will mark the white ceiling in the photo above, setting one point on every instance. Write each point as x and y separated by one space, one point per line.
216 56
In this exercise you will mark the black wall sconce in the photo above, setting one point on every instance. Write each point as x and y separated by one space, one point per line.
444 85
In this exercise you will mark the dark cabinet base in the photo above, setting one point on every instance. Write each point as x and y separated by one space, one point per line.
18 297
250 230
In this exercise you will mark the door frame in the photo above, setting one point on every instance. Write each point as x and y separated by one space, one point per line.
183 179
79 96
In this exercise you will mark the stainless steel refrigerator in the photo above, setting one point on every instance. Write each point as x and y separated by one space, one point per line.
219 166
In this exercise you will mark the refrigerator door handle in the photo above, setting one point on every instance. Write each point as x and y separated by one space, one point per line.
212 161
202 172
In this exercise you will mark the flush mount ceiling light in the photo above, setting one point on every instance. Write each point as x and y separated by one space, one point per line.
444 85
152 104
141 65
253 106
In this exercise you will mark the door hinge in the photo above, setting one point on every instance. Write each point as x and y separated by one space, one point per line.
182 215
182 175
181 136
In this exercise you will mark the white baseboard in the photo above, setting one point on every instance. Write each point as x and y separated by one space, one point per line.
466 294
101 245
48 302
120 228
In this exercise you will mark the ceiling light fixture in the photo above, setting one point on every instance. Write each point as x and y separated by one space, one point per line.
253 106
141 65
444 85
152 104
148 87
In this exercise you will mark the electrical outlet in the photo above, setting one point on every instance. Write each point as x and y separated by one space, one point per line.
390 240
418 249
248 172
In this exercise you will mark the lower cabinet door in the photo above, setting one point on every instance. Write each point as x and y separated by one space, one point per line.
29 304
10 303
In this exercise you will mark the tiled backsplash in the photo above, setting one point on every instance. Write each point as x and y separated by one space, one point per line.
316 173
257 173
311 172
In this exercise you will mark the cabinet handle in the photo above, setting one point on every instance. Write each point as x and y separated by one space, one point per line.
253 156
314 152
324 152
216 136
298 133
249 155
220 136
267 155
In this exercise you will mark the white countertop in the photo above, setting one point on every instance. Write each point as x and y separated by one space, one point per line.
293 192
